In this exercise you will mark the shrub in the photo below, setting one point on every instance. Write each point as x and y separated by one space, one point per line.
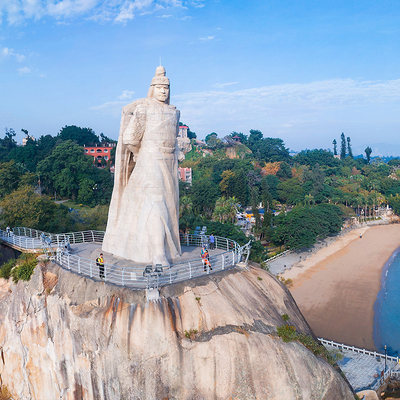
24 268
5 269
285 317
288 333
191 334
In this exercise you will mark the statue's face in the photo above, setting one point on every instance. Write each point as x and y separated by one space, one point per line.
161 93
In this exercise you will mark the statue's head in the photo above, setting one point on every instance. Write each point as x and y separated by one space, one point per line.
159 87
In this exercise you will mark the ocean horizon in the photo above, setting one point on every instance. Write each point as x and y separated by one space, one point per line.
387 308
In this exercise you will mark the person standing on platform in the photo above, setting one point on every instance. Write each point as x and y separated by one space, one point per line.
211 240
100 264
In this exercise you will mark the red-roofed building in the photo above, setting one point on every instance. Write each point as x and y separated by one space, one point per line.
183 129
100 152
185 175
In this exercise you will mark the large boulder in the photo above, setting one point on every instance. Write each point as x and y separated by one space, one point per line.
63 336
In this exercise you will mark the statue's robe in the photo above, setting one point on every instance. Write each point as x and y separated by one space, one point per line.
144 210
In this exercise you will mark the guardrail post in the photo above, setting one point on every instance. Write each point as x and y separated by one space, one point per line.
92 236
69 267
233 258
190 270
223 261
187 240
24 231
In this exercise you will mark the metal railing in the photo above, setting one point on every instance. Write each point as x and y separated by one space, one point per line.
135 277
342 346
22 242
389 372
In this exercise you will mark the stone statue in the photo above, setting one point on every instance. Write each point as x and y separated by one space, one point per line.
143 217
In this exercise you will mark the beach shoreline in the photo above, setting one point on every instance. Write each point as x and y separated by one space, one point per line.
336 287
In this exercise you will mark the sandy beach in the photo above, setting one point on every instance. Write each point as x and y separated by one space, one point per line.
336 287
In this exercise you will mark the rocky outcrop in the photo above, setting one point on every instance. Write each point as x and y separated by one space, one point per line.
184 146
66 337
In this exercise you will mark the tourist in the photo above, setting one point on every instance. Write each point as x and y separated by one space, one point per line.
211 240
205 258
8 230
100 264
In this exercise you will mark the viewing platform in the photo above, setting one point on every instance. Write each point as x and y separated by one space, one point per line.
77 252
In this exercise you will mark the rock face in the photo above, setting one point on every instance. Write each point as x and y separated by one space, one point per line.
66 337
184 146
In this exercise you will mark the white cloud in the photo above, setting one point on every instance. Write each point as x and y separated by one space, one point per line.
126 95
24 70
67 8
114 106
204 38
225 84
122 11
293 110
198 3
6 52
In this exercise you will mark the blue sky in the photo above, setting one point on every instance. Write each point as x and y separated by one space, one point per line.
304 71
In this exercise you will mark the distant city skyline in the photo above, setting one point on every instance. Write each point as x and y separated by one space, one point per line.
303 71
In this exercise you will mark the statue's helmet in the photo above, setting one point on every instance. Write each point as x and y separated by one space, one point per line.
158 79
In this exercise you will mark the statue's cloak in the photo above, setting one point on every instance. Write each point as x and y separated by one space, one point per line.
143 217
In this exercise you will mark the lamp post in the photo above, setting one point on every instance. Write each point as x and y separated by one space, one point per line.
385 357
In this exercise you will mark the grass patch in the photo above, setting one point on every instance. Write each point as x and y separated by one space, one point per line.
5 269
20 269
287 282
288 333
191 334
264 266
285 317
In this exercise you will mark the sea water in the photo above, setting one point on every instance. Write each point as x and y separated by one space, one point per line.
387 308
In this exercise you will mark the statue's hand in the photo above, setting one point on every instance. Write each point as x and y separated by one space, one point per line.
134 149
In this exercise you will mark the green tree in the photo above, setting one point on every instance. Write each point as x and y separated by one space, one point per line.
24 207
81 136
211 139
334 147
7 144
394 202
342 146
368 152
9 177
316 156
204 193
304 225
225 210
349 151
284 171
67 167
291 191
254 139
